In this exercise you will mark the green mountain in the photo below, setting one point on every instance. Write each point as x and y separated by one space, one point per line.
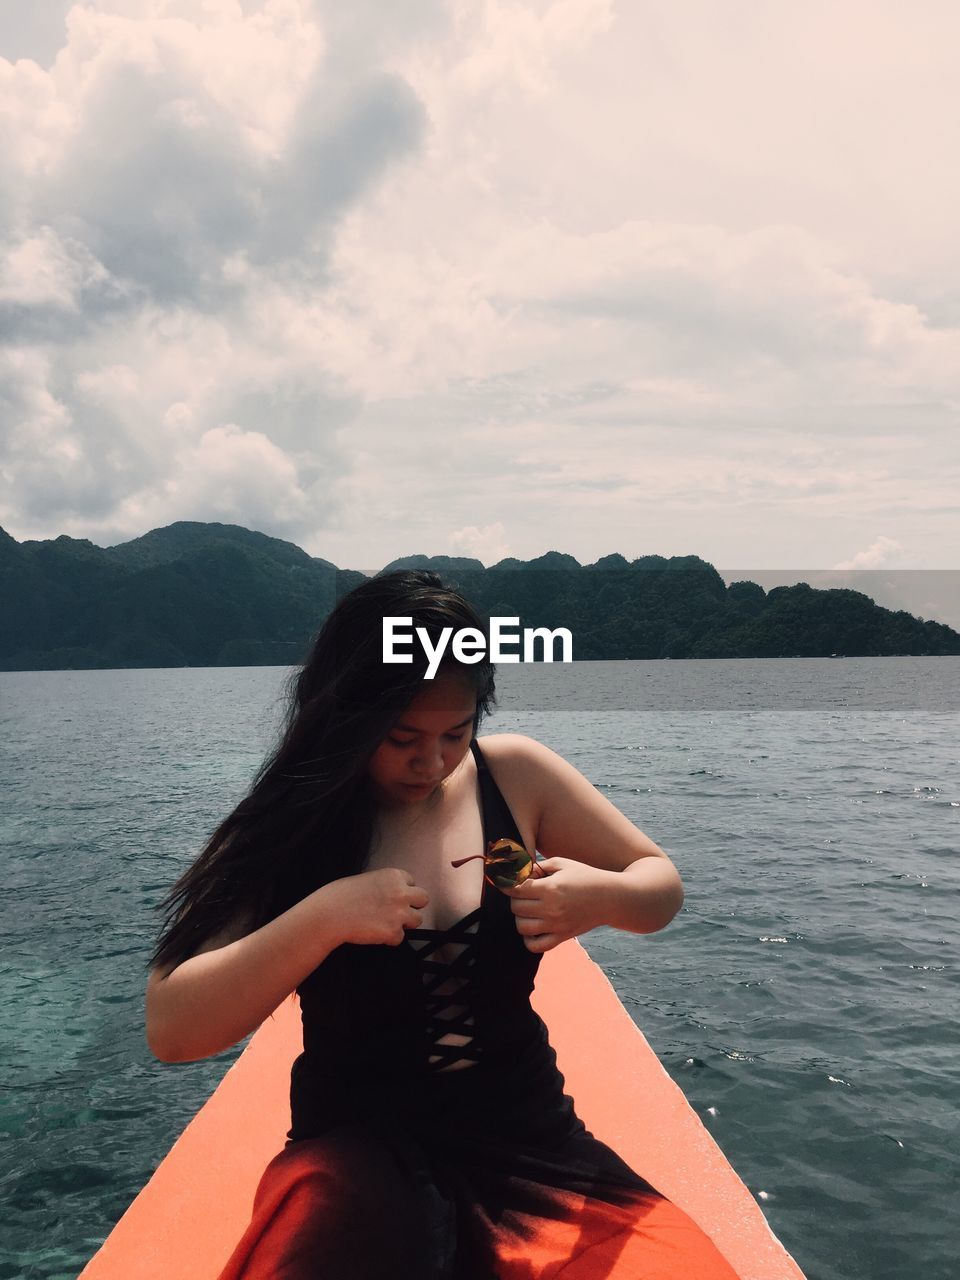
439 564
190 594
198 594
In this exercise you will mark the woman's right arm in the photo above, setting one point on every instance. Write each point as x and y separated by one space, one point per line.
237 978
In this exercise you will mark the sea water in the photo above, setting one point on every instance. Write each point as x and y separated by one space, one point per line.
806 998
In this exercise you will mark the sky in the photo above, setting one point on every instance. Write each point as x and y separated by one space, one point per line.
486 277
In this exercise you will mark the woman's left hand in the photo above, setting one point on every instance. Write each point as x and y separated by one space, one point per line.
563 902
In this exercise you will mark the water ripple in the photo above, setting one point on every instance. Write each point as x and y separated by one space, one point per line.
805 998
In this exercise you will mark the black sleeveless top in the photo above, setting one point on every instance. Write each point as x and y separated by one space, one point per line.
372 1017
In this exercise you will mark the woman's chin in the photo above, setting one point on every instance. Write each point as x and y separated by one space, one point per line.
420 791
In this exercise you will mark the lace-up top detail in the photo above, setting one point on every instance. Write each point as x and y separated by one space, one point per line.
447 960
447 1010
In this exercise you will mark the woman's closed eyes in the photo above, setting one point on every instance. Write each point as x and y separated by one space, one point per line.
408 742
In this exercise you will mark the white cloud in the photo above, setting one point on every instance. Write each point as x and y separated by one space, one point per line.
227 470
488 543
645 276
173 185
41 270
884 553
517 46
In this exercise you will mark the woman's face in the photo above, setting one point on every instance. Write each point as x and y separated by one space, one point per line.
427 743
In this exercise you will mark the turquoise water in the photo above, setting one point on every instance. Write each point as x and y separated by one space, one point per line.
806 998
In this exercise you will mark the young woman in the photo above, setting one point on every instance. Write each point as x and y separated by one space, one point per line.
378 868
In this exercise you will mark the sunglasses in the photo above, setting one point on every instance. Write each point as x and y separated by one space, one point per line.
505 863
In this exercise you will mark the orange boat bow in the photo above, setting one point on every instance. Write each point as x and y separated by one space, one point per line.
185 1222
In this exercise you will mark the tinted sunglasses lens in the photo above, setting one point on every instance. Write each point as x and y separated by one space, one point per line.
507 863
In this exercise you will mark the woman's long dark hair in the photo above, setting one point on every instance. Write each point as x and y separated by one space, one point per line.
308 816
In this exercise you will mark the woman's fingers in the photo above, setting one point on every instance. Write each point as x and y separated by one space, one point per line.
542 942
530 924
531 888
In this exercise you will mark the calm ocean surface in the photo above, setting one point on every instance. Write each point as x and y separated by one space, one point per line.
806 999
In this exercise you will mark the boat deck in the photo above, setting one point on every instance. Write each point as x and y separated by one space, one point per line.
185 1222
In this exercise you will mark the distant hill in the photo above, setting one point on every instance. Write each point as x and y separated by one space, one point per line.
199 594
190 594
175 541
680 607
439 564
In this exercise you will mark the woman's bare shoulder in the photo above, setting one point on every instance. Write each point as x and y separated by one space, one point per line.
522 756
511 748
571 817
525 766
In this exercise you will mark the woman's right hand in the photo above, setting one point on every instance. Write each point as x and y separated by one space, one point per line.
374 907
222 992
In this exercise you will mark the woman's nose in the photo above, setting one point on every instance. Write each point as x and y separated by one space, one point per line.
430 761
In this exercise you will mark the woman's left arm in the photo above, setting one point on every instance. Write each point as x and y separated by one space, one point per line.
600 868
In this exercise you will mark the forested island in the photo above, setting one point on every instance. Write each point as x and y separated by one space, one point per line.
205 594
